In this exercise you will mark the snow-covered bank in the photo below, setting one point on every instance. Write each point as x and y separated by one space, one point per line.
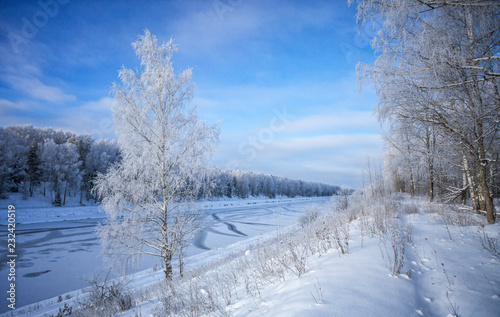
39 209
435 262
442 277
57 257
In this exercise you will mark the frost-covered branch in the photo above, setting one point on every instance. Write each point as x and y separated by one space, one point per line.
148 194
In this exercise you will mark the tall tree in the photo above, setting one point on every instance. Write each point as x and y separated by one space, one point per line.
102 155
438 64
164 144
34 172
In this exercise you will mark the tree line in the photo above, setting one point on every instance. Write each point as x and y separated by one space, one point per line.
437 78
56 163
52 162
241 184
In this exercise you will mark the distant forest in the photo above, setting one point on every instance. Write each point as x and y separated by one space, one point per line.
59 164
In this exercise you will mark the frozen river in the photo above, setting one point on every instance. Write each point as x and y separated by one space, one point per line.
57 257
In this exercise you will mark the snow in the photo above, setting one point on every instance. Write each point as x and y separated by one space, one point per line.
446 271
443 275
359 284
57 246
39 209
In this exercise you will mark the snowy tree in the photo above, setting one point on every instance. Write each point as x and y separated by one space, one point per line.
84 144
51 158
34 172
438 65
102 155
163 144
69 173
5 157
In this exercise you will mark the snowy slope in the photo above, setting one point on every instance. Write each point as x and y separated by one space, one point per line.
57 254
446 271
445 274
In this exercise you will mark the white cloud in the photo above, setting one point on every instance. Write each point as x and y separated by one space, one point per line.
9 105
92 117
290 147
102 105
209 28
333 159
339 121
34 88
329 134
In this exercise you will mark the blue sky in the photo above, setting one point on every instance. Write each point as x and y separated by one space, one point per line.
280 75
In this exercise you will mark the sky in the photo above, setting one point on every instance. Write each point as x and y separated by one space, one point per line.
279 76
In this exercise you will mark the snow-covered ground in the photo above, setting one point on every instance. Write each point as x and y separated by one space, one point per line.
58 250
444 277
446 270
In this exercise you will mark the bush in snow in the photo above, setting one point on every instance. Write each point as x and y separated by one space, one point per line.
309 217
393 246
105 298
490 244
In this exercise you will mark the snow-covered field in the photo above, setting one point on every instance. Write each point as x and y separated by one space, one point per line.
401 258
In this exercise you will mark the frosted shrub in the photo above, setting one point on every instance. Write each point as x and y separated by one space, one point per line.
105 298
343 200
310 216
393 245
294 258
377 216
224 288
454 215
382 217
268 265
64 311
410 208
340 235
366 222
319 236
202 298
490 244
196 297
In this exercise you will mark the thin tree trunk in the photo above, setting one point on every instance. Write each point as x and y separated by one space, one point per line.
487 200
492 178
464 185
430 142
167 259
370 177
485 193
65 191
412 183
181 263
472 186
431 181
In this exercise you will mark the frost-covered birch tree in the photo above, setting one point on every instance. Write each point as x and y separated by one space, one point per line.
438 64
148 196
